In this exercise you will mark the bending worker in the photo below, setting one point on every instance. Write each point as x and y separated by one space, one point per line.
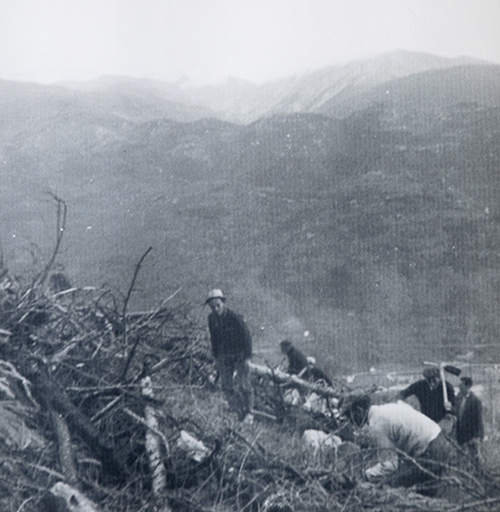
397 429
297 361
314 374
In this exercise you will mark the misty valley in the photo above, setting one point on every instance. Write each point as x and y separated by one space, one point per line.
365 211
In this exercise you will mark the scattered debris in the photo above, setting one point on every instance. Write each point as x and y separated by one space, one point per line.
194 448
71 499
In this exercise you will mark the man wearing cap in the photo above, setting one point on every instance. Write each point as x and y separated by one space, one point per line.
470 429
232 349
312 373
402 434
429 392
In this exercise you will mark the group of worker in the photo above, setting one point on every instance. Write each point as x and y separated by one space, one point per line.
405 435
437 404
401 433
231 343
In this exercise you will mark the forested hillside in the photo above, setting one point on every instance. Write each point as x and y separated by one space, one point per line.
377 231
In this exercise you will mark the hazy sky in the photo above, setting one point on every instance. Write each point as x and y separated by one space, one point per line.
209 40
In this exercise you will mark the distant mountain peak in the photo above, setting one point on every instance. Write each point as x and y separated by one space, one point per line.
334 90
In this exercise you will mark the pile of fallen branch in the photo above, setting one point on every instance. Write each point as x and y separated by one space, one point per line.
78 409
82 423
76 403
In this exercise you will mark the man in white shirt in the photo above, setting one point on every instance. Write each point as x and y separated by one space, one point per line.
412 448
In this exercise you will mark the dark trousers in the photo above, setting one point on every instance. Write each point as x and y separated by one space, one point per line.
431 465
235 383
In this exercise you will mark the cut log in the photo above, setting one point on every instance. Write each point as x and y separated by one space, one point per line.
281 377
66 455
153 442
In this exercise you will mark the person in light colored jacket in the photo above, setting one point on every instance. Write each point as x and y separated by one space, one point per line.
412 448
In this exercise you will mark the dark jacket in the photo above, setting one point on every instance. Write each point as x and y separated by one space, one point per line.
315 374
431 400
297 361
469 418
229 336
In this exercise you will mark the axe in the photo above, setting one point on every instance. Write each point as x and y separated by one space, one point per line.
446 367
442 368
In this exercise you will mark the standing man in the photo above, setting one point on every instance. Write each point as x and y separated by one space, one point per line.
429 392
403 435
232 349
470 429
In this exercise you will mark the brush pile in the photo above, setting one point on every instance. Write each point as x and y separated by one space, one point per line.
82 422
84 425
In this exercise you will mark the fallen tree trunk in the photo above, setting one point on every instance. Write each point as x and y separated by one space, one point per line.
53 396
281 377
66 455
153 444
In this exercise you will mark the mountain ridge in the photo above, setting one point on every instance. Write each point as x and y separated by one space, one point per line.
243 102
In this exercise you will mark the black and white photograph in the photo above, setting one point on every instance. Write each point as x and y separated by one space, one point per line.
250 256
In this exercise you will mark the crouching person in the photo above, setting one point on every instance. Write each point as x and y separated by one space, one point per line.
232 349
412 448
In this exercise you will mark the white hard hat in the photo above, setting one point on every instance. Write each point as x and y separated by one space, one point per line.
311 360
215 294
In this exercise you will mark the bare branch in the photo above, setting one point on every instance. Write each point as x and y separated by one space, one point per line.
131 288
60 227
124 316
